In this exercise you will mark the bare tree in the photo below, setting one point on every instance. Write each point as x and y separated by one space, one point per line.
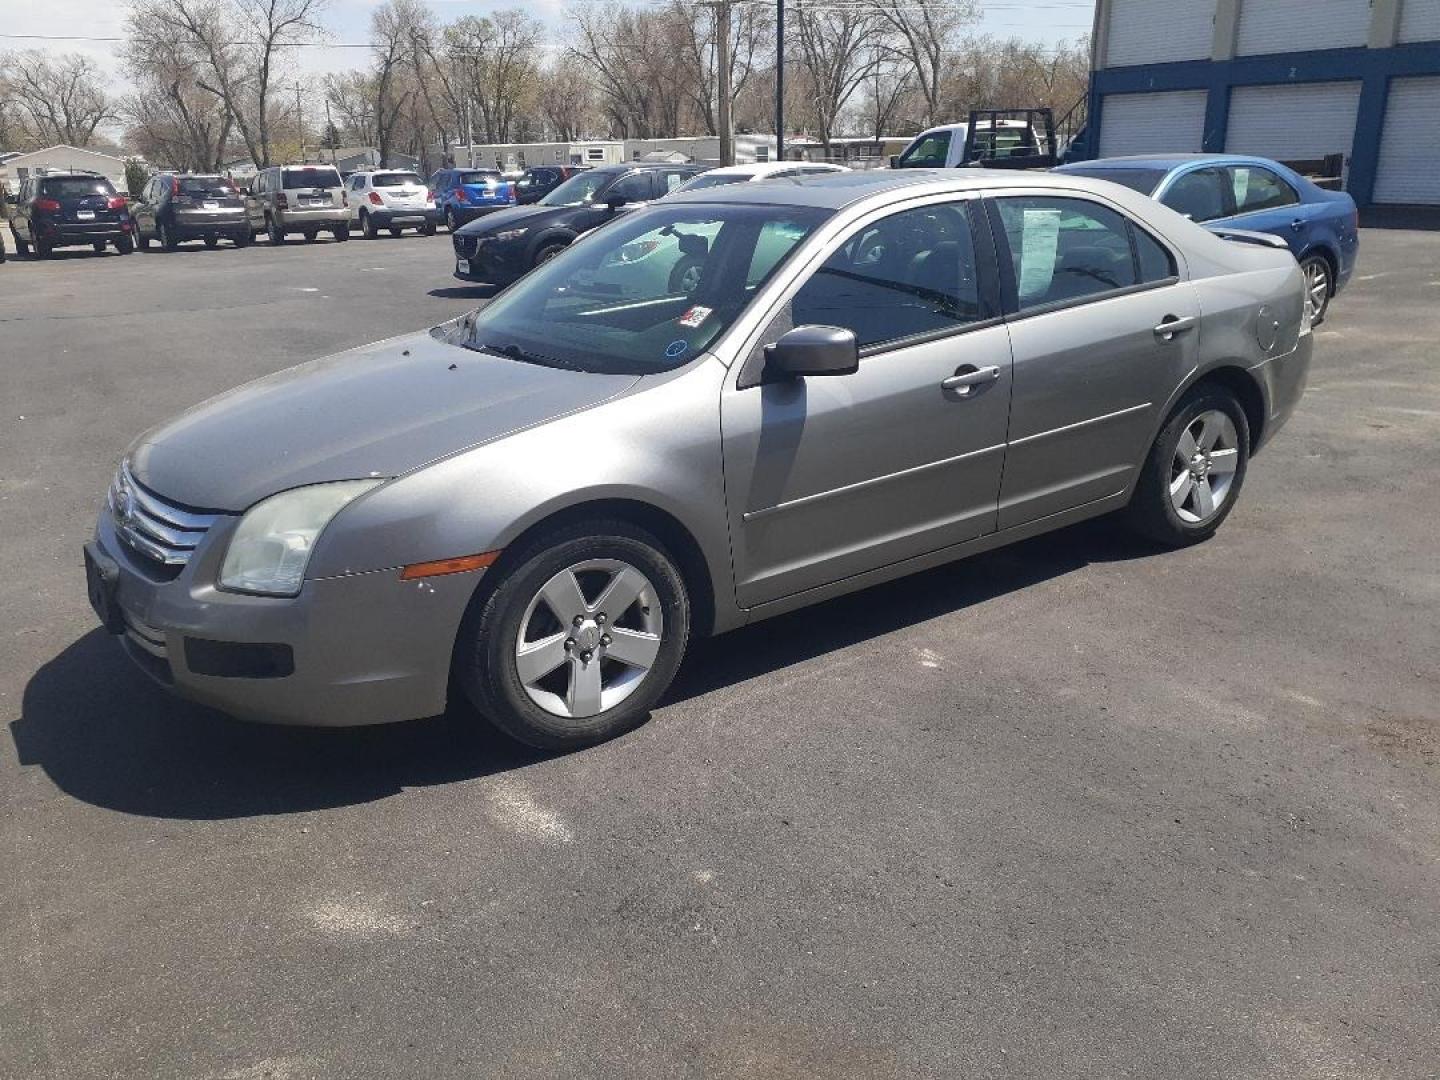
566 103
55 99
888 91
835 47
922 34
235 48
393 27
169 119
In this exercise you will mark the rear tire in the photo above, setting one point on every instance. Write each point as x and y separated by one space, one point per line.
141 240
98 247
395 232
450 222
277 234
242 239
168 240
655 622
310 235
367 226
428 229
125 245
1319 286
43 250
22 247
341 234
1193 474
212 241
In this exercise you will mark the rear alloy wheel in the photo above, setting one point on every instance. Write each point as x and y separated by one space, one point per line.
1193 474
1318 287
580 638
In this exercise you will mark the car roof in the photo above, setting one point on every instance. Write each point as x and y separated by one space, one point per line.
835 190
1165 162
765 168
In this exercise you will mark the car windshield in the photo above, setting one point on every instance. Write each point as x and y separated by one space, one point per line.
1144 181
311 178
578 190
396 179
926 152
489 178
648 292
217 186
73 187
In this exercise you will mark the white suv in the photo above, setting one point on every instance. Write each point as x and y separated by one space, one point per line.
391 199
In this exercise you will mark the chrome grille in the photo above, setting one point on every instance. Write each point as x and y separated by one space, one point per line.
156 529
465 246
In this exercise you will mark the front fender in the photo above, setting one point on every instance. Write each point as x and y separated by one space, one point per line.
656 444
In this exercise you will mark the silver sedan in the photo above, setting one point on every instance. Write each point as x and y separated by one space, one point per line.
542 502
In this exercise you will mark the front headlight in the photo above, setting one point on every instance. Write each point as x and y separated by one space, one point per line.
270 550
508 235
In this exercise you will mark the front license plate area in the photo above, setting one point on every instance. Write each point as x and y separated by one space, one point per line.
461 266
101 577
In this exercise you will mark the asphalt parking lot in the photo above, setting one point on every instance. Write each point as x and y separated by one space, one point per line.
1076 808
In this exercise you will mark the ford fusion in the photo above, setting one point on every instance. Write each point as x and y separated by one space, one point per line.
541 503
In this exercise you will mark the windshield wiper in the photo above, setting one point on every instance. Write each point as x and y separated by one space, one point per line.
511 351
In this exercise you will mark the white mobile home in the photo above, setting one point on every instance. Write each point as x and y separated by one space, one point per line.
515 157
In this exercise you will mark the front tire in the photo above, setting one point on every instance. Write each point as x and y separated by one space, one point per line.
548 252
579 639
1192 476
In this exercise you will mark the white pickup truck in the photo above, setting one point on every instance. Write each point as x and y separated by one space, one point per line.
997 143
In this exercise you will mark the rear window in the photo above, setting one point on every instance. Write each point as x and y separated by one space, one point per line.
206 185
310 178
1144 181
395 179
74 187
712 181
477 177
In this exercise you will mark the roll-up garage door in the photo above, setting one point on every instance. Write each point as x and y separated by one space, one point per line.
1168 123
1409 166
1295 122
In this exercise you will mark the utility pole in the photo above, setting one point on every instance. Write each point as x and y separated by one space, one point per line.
722 45
779 80
329 129
299 121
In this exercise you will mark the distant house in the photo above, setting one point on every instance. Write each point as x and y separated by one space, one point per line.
350 159
15 167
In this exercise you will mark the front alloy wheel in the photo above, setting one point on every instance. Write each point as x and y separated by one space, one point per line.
582 632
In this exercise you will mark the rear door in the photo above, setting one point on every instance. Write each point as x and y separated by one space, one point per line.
1103 327
1266 202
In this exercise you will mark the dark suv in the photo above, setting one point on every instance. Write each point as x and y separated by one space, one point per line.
502 246
176 207
68 210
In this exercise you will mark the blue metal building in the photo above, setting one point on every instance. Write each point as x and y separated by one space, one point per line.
1353 81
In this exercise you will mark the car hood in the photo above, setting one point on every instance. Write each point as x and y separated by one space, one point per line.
514 217
380 410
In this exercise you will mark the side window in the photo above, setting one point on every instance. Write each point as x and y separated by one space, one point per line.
1259 189
1199 195
633 188
673 180
908 274
1065 249
1154 261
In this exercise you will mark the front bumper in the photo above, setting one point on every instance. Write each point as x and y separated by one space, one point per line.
365 648
484 261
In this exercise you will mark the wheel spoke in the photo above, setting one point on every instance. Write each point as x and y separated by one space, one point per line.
633 647
1204 498
624 589
1211 431
1180 489
1224 461
583 698
562 594
1185 448
536 659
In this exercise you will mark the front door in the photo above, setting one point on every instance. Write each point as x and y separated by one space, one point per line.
828 477
1103 329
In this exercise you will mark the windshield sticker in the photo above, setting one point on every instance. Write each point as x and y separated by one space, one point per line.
695 316
676 349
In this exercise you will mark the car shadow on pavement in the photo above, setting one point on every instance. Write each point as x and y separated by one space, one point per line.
106 735
465 292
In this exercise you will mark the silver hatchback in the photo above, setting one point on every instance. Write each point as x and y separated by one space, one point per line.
542 502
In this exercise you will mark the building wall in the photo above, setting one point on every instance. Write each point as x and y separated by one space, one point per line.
1159 31
1297 49
64 157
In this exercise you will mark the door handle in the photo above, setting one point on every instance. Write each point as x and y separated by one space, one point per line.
1171 325
1297 224
967 378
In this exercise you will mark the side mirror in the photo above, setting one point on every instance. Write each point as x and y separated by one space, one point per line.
894 161
697 247
615 202
814 350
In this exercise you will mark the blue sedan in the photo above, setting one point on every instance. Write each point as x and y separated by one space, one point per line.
1226 191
